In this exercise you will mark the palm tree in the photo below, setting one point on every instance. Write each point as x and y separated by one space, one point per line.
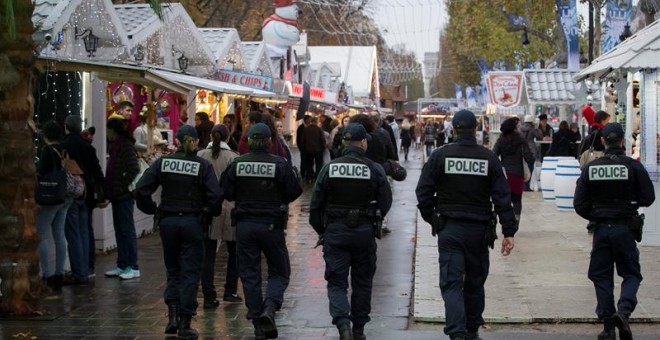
20 284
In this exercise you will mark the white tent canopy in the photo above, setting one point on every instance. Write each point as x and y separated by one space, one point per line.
637 52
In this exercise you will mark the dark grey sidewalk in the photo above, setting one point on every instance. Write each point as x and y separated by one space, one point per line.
114 309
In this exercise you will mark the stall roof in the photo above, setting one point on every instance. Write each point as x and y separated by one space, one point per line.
112 72
550 86
257 57
637 52
210 84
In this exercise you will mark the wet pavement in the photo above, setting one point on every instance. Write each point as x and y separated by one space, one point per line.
108 308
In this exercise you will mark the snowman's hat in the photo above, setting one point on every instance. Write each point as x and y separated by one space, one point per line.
283 3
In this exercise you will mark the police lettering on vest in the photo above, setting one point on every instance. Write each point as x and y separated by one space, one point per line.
466 166
255 169
179 166
608 173
348 170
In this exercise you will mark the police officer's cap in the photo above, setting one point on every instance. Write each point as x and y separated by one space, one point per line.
259 131
186 131
355 132
464 120
613 131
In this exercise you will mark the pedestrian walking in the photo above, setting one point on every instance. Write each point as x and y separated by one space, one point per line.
220 155
514 154
262 185
304 156
190 197
429 137
608 194
531 134
203 125
407 137
350 198
461 214
313 141
121 170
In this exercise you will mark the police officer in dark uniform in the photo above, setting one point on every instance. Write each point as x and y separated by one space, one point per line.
608 194
190 196
350 198
262 185
461 214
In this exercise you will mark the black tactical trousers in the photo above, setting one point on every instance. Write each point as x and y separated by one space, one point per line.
349 249
614 245
183 251
251 240
464 265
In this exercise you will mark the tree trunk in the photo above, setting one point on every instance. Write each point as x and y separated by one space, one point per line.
19 261
598 30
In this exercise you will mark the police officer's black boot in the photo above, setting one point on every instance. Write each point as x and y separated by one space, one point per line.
345 331
358 332
211 301
173 317
185 332
621 322
258 331
267 320
609 332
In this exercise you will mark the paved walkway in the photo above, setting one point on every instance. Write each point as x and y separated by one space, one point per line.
543 280
114 309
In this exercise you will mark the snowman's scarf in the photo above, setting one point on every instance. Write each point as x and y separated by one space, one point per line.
276 17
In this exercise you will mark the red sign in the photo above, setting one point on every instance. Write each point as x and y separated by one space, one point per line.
245 79
315 94
505 88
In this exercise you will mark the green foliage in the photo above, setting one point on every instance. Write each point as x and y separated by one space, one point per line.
7 18
481 29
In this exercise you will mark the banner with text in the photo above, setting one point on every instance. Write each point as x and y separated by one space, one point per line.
617 16
505 88
568 16
315 94
254 81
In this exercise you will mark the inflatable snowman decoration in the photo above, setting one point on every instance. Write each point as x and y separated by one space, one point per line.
281 28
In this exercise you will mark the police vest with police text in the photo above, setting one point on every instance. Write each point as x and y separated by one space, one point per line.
350 183
256 179
466 180
181 181
611 181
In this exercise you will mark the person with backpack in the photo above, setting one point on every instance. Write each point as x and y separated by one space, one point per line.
76 229
593 139
52 215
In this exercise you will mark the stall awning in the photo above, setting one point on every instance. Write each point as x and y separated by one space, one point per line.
637 52
210 84
112 72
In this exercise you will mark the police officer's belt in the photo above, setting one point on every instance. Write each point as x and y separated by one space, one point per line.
180 214
614 221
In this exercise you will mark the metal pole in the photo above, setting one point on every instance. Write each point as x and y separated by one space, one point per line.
591 31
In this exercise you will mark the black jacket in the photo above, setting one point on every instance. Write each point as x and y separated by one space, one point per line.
432 177
383 192
593 138
562 142
511 151
642 189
